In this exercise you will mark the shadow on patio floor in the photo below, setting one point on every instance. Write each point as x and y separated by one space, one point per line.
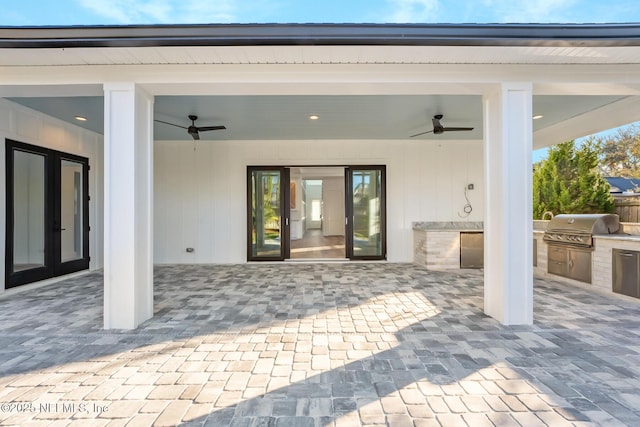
324 344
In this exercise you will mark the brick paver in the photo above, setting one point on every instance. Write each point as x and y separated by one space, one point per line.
318 345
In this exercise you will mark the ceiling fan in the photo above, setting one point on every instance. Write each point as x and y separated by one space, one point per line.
438 128
194 130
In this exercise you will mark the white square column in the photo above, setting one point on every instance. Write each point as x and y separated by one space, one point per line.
128 206
508 216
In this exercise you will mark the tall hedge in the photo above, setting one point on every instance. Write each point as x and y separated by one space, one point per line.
569 181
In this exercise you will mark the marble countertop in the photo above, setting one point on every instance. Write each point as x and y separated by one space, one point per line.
448 226
627 237
478 226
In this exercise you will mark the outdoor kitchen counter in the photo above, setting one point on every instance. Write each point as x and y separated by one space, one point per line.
436 244
448 226
620 237
602 259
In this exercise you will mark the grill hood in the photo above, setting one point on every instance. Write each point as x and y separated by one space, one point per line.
585 223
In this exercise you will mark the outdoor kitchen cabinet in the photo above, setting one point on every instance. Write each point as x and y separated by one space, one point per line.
626 272
471 249
569 262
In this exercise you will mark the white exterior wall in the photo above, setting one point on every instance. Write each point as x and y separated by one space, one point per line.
25 125
200 196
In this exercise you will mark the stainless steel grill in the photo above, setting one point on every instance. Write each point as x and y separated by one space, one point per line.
577 230
570 239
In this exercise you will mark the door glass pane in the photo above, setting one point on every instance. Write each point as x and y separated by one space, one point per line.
367 213
28 210
266 230
71 211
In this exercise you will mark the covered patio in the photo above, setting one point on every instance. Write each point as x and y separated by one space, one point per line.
318 345
154 199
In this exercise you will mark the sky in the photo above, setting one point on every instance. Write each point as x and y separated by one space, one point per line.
131 12
128 12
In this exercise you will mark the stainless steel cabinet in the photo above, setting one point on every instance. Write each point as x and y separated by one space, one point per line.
471 250
573 263
580 265
626 272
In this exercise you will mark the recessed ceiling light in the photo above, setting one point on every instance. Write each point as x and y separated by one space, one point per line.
81 118
314 117
538 117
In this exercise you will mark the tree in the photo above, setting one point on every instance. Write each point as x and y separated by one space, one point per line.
621 152
569 181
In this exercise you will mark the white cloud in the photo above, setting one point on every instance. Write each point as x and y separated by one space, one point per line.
539 11
162 11
414 11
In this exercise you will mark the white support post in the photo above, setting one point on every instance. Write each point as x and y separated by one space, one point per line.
508 217
128 206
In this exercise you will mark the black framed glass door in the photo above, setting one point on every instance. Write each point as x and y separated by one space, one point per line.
71 221
366 213
47 213
268 213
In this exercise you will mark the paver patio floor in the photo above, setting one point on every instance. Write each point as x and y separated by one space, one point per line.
318 345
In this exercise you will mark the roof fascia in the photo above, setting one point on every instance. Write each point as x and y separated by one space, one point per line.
561 35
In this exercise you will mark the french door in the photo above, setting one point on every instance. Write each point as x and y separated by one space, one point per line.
365 213
47 227
268 215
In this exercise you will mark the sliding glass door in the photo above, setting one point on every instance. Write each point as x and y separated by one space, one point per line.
269 211
268 215
47 213
365 216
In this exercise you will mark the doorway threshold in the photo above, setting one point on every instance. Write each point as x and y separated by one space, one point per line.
316 260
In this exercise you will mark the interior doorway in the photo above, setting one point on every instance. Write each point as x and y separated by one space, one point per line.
317 213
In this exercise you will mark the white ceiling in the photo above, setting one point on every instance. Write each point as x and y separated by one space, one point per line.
286 117
268 92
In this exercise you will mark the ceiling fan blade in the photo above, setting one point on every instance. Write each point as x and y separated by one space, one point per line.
167 123
421 133
206 128
453 129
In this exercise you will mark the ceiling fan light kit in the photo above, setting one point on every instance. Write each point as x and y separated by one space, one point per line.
194 130
439 129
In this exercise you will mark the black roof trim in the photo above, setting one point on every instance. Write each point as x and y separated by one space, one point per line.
322 34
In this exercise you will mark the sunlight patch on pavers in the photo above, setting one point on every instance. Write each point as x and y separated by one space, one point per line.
319 345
